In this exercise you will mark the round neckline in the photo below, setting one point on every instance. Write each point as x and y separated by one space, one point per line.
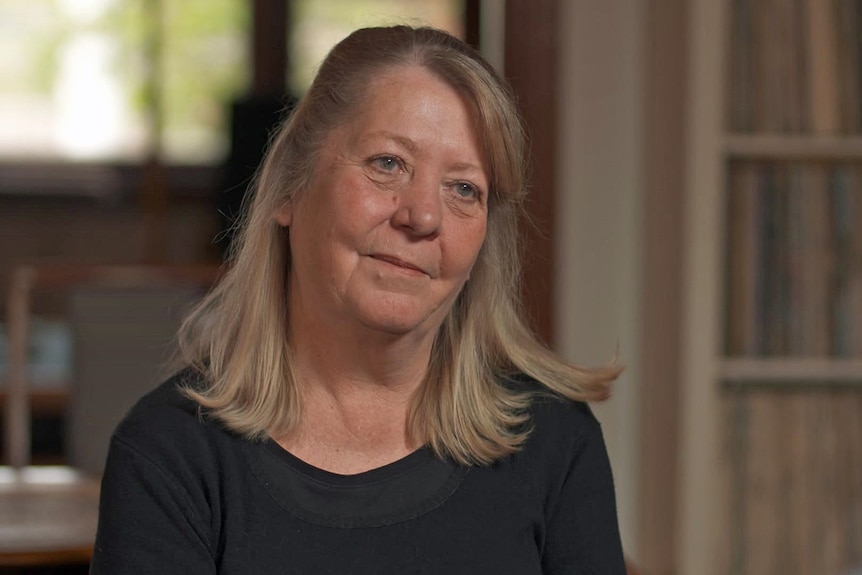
406 464
399 491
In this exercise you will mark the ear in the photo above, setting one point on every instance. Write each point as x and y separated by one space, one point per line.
284 214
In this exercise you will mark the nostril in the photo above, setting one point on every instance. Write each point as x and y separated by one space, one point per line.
419 210
416 222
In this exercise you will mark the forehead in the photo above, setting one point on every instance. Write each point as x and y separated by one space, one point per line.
412 101
407 81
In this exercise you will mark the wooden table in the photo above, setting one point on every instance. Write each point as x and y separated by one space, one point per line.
48 516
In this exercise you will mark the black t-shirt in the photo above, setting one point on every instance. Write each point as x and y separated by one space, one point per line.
181 494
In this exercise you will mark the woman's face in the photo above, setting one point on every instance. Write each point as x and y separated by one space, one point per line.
393 223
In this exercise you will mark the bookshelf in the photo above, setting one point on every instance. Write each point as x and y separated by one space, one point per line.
772 330
790 148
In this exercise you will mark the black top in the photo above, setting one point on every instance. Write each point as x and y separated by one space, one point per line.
181 494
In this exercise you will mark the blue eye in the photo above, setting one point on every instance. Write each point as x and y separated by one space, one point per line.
467 190
387 163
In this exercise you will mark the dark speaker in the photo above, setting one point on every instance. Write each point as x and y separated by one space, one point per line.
253 122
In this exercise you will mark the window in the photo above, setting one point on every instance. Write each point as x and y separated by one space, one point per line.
320 25
119 80
88 86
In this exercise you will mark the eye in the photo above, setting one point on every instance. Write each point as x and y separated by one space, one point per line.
467 191
387 164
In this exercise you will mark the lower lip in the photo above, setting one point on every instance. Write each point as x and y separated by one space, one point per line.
404 269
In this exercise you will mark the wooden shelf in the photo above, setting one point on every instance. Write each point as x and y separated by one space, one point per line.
793 147
766 440
790 371
47 401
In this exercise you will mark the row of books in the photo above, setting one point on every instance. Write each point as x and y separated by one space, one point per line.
795 66
792 467
794 259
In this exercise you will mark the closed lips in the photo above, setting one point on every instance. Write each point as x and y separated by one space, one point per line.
398 262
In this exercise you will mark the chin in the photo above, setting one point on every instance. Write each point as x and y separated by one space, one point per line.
399 315
396 326
399 321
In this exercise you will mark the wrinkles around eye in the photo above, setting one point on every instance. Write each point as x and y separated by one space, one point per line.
386 170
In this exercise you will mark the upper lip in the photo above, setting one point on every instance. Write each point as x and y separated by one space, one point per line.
395 260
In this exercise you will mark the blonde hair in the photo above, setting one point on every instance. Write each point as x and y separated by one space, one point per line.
467 408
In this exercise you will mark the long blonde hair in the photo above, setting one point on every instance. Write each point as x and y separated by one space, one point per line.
466 408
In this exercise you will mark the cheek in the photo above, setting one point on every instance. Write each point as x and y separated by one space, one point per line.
361 211
464 246
371 197
369 206
351 219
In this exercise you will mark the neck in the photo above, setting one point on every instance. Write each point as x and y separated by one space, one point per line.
354 358
356 392
377 364
354 418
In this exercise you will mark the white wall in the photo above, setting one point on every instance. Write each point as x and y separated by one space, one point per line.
599 216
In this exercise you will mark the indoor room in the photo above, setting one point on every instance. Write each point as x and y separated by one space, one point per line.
695 217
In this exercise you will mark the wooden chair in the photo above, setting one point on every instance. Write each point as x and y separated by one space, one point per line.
48 515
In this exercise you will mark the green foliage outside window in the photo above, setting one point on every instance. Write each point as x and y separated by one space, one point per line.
183 60
118 80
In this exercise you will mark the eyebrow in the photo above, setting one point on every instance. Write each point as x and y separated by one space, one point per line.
404 141
465 167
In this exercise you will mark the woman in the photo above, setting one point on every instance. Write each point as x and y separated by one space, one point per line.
362 395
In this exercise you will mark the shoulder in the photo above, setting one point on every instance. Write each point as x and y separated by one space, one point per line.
166 424
561 431
164 477
552 413
166 405
565 461
563 424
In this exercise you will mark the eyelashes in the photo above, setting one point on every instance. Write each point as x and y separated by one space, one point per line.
467 190
388 164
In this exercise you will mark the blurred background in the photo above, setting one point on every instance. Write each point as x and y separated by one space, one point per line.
696 212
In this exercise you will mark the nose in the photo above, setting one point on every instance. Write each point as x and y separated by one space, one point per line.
420 208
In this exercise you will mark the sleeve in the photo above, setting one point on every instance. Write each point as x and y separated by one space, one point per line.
582 533
149 522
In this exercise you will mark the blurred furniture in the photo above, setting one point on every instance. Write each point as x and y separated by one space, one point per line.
48 516
122 339
123 320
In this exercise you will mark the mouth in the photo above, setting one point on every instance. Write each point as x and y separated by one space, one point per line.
399 263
